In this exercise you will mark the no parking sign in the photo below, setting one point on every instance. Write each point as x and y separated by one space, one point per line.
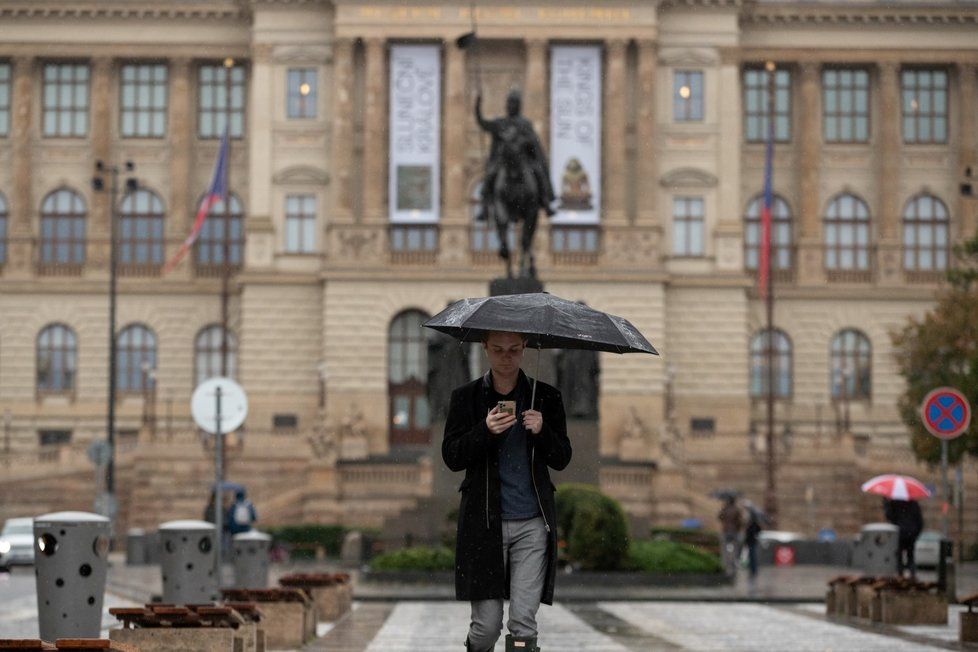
946 413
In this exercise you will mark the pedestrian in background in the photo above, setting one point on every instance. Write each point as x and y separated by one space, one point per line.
731 522
242 514
751 534
906 515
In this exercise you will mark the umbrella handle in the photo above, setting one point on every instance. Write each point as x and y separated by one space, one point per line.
533 395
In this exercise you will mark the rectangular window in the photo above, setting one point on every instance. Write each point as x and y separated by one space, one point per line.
54 437
300 224
924 106
687 96
687 226
5 99
756 109
142 100
213 105
301 93
65 100
845 105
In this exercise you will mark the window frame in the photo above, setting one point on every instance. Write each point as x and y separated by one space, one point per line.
130 243
307 106
77 225
404 385
841 356
837 116
693 108
152 111
834 224
301 220
214 115
129 360
207 354
782 116
912 222
783 364
915 117
781 216
61 360
76 110
689 222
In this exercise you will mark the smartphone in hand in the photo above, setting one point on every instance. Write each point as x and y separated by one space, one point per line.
507 407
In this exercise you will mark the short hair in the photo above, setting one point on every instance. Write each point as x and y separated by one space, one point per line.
484 337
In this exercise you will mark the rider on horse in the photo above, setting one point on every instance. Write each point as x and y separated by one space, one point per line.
508 126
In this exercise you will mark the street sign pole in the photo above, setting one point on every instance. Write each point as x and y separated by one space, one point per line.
945 489
218 481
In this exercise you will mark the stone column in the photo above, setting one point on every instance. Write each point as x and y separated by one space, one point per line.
101 139
646 177
341 155
810 269
615 120
375 133
888 174
21 199
536 98
453 149
179 127
967 147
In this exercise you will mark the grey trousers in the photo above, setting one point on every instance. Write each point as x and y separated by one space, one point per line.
525 553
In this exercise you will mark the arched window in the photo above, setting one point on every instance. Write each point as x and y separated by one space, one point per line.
780 347
925 234
207 354
57 353
781 244
63 228
141 229
135 359
3 229
219 229
852 365
847 234
407 351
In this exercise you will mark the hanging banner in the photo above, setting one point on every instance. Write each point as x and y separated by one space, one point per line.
415 125
575 133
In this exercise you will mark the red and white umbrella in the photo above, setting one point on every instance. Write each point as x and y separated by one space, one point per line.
896 487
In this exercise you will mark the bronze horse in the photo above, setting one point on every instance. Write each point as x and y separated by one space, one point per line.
515 200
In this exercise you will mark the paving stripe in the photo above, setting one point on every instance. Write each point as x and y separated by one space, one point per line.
355 630
621 631
750 627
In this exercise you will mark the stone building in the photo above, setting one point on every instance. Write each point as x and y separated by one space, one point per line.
337 247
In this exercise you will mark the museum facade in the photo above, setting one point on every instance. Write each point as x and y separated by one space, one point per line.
355 165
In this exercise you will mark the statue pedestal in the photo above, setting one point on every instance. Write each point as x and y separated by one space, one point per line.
503 286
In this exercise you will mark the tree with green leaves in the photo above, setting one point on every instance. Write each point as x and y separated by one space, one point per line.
941 349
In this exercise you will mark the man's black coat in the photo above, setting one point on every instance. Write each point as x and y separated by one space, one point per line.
469 446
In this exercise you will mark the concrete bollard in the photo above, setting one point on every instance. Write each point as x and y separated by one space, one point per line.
136 547
251 559
187 562
71 558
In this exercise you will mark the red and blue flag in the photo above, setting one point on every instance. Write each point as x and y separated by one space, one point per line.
764 267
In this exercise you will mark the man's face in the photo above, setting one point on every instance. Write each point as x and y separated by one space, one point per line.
512 106
505 352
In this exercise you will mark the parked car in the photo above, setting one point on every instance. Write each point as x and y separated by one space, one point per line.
17 542
927 550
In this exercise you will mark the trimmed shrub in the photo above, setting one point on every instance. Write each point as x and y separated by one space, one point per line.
302 540
670 557
708 540
418 558
594 527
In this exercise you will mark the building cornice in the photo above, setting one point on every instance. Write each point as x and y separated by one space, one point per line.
812 14
226 10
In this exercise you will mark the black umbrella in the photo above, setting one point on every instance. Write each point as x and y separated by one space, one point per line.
548 321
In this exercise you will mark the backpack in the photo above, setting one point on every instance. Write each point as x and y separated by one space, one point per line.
242 513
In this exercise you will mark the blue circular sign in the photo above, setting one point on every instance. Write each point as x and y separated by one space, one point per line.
946 413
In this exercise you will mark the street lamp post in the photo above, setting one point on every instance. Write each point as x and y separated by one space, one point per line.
98 185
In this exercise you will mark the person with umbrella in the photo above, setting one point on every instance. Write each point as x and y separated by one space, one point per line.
506 544
900 507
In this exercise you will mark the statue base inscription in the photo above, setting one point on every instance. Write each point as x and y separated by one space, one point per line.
521 285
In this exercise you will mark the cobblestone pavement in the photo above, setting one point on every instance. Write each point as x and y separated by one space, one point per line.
631 627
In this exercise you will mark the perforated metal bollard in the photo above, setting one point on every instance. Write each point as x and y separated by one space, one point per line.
187 562
71 552
251 559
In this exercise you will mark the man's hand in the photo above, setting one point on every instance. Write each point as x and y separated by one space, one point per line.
533 421
499 422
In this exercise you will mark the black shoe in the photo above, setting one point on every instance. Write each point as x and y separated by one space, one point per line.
521 643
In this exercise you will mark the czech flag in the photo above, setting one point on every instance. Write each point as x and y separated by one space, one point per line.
764 264
217 191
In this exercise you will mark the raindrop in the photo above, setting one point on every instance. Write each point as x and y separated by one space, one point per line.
190 567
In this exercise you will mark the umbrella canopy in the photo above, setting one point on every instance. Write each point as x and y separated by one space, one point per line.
896 487
548 321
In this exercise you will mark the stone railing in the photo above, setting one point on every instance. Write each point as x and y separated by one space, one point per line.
365 479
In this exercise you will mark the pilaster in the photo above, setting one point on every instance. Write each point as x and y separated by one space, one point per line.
967 146
888 174
537 98
375 131
179 128
810 269
615 122
22 133
453 151
101 140
341 156
646 178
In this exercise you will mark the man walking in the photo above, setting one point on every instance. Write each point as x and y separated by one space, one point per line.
507 540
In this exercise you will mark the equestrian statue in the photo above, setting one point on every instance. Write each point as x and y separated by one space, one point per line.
516 185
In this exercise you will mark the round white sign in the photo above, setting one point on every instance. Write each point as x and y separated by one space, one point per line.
234 405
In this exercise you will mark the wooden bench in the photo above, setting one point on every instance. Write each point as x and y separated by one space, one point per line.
968 629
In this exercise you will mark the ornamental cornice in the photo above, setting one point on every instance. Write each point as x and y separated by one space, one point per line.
688 178
791 13
707 4
126 10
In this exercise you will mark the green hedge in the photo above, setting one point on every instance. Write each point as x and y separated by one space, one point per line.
705 539
671 557
302 540
594 527
418 558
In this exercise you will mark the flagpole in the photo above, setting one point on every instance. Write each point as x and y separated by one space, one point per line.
770 494
226 231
